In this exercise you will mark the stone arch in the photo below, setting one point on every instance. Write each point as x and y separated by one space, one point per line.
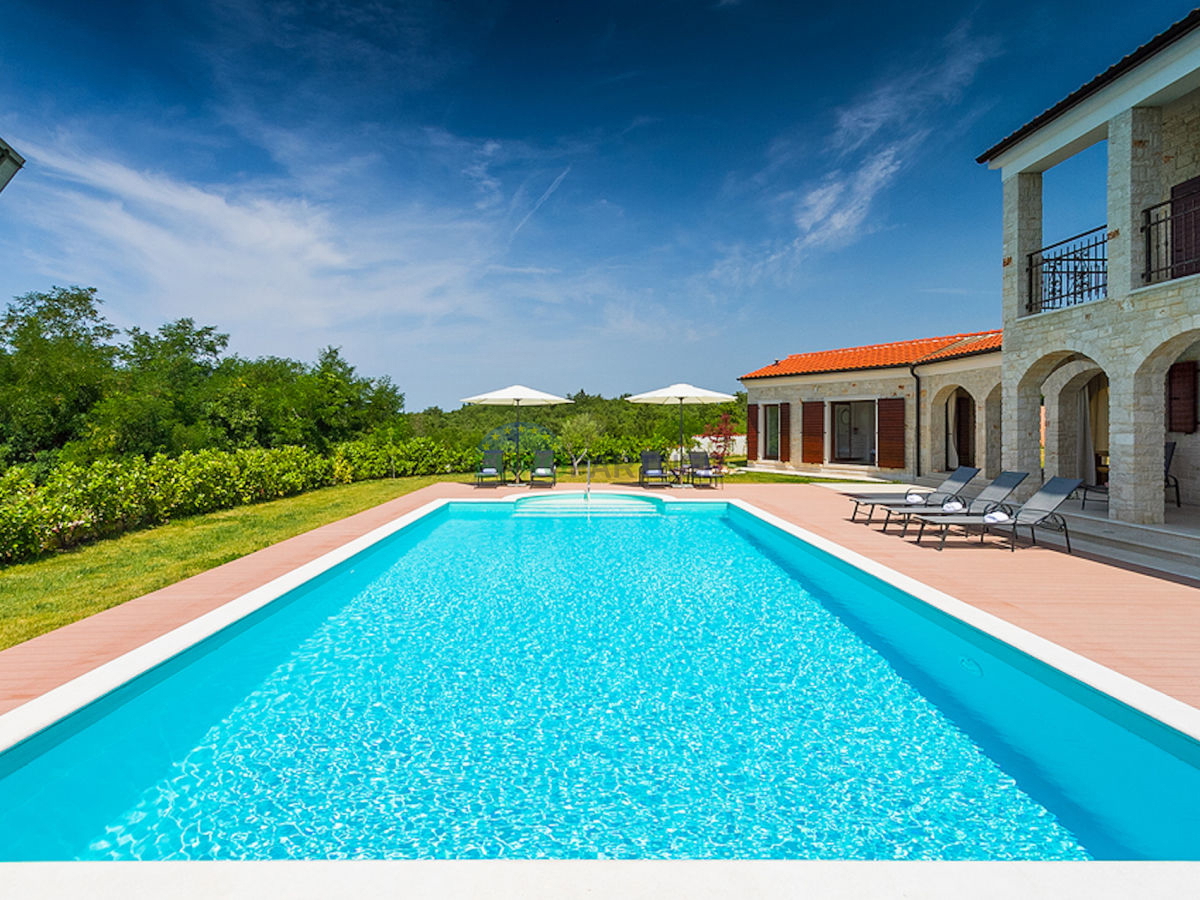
1022 410
1077 429
939 421
1137 470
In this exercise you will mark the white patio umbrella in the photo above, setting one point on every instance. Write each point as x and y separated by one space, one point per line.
517 395
681 394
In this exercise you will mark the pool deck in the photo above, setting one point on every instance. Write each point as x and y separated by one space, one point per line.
1142 626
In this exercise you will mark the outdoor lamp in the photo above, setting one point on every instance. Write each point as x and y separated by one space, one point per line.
10 163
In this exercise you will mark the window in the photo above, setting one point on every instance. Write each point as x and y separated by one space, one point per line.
771 431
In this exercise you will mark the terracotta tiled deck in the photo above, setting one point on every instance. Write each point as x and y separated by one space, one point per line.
1144 627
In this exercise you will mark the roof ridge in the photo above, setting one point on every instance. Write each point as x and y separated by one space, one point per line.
1127 62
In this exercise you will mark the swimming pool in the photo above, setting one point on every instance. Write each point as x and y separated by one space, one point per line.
628 678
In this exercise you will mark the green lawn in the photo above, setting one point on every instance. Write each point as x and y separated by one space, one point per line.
45 594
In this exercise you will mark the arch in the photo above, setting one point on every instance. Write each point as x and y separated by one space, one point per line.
1024 416
1077 431
963 447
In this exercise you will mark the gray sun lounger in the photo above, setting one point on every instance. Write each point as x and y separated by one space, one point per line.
984 502
1039 511
491 467
543 469
950 488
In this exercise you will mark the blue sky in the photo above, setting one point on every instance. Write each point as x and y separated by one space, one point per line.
608 196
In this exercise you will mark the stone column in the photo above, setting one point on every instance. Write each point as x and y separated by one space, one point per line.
1136 428
1022 236
1135 181
1021 415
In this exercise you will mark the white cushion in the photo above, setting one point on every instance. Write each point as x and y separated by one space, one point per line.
914 497
995 516
952 506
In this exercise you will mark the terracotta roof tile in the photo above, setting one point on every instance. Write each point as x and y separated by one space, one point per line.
882 356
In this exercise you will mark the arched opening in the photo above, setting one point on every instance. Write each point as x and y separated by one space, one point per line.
1170 372
953 434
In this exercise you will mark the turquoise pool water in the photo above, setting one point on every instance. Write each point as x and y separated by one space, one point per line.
674 681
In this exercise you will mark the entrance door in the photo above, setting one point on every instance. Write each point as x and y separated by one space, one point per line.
853 431
964 429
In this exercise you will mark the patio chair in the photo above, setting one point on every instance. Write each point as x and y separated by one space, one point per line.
1039 511
950 489
1170 482
651 470
492 466
699 466
543 468
984 502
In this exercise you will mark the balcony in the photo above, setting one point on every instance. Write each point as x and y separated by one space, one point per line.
1172 233
1068 273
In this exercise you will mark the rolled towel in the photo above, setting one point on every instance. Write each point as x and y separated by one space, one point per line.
952 506
996 516
914 497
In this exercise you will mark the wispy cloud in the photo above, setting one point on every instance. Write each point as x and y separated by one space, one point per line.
874 138
542 199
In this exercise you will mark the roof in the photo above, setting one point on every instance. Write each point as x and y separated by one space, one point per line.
1181 28
884 356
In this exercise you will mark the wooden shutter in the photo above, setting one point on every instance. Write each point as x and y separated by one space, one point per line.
1181 397
751 432
812 426
890 454
785 432
1185 229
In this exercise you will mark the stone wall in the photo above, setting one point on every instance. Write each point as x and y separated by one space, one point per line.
978 375
1181 140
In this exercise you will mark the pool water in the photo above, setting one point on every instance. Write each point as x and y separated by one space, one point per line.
685 683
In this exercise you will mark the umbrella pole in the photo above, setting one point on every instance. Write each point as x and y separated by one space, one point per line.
681 441
518 408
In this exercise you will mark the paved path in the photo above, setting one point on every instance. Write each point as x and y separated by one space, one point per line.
1144 627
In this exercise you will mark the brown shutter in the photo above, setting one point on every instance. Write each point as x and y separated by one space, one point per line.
812 426
785 432
1185 229
751 432
1181 397
891 433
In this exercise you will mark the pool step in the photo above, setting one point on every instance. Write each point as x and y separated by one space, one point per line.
596 506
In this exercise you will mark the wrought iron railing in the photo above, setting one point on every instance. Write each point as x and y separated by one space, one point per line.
1172 231
1070 272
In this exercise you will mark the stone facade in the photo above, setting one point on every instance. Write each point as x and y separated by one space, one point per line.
978 376
1133 335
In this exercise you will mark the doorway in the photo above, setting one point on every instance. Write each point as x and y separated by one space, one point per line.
853 431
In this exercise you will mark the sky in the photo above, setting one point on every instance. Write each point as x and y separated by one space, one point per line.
604 196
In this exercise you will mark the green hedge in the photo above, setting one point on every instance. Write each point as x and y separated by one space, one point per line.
80 503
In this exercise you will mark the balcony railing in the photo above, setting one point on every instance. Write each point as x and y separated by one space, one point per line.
1070 272
1172 231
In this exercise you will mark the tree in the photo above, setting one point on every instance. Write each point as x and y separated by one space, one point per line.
577 435
157 401
720 436
56 361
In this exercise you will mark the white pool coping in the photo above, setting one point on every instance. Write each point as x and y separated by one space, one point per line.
569 879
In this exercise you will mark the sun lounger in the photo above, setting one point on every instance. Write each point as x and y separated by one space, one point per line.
491 467
699 466
652 469
949 489
984 502
543 468
1039 511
